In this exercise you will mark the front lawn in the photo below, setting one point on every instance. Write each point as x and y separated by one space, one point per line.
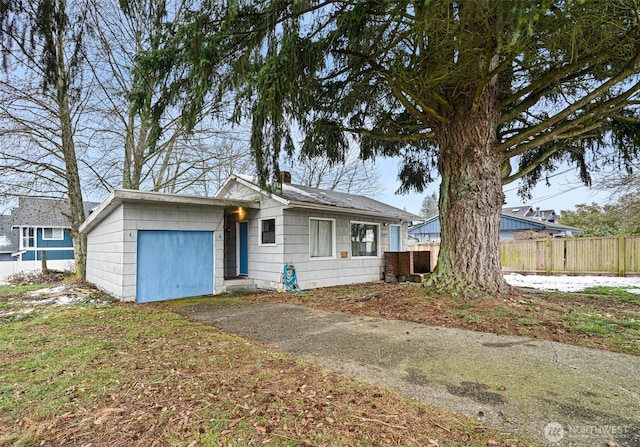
105 374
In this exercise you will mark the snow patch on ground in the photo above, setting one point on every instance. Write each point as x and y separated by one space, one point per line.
60 295
572 283
48 291
59 300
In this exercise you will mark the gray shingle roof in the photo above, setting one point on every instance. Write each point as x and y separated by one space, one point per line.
299 194
42 212
9 239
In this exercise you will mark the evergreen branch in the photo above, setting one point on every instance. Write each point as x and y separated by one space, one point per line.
392 138
565 74
625 118
581 104
423 113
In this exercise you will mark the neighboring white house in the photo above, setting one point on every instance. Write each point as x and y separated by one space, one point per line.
146 246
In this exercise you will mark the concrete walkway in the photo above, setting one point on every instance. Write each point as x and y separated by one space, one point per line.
558 394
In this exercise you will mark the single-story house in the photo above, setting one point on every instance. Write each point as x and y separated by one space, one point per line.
38 224
145 246
512 222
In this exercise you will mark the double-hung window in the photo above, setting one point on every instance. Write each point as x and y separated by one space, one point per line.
268 232
364 239
52 234
28 238
321 238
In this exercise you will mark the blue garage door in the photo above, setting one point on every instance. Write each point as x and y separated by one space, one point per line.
174 264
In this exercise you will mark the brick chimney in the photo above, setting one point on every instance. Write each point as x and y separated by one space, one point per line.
285 177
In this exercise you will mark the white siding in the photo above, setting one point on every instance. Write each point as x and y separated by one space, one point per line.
337 271
236 191
292 244
266 263
105 254
112 245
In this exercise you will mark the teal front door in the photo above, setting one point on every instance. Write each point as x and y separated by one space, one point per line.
243 248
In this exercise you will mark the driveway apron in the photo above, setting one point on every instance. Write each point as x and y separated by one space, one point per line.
558 394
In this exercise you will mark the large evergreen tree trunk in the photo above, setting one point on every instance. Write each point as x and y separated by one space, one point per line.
471 200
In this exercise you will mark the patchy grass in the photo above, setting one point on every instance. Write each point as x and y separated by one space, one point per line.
600 317
589 324
613 293
126 375
10 290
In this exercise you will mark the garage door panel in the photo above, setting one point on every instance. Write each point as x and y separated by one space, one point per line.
174 264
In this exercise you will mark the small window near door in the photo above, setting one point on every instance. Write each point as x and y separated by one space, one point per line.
52 234
268 232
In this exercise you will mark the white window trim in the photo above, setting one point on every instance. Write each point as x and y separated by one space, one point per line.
377 239
333 239
23 238
53 238
269 244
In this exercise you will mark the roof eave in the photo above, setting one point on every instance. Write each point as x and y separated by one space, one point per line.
17 227
343 210
119 196
253 186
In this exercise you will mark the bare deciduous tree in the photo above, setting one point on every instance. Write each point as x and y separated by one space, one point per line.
42 100
169 158
353 176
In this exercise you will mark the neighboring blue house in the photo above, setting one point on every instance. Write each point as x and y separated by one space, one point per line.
36 225
513 220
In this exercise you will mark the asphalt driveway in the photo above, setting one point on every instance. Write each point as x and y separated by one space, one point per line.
560 394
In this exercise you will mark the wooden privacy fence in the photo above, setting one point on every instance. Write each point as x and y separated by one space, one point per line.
618 255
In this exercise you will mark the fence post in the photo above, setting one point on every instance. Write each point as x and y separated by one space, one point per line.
549 258
621 255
